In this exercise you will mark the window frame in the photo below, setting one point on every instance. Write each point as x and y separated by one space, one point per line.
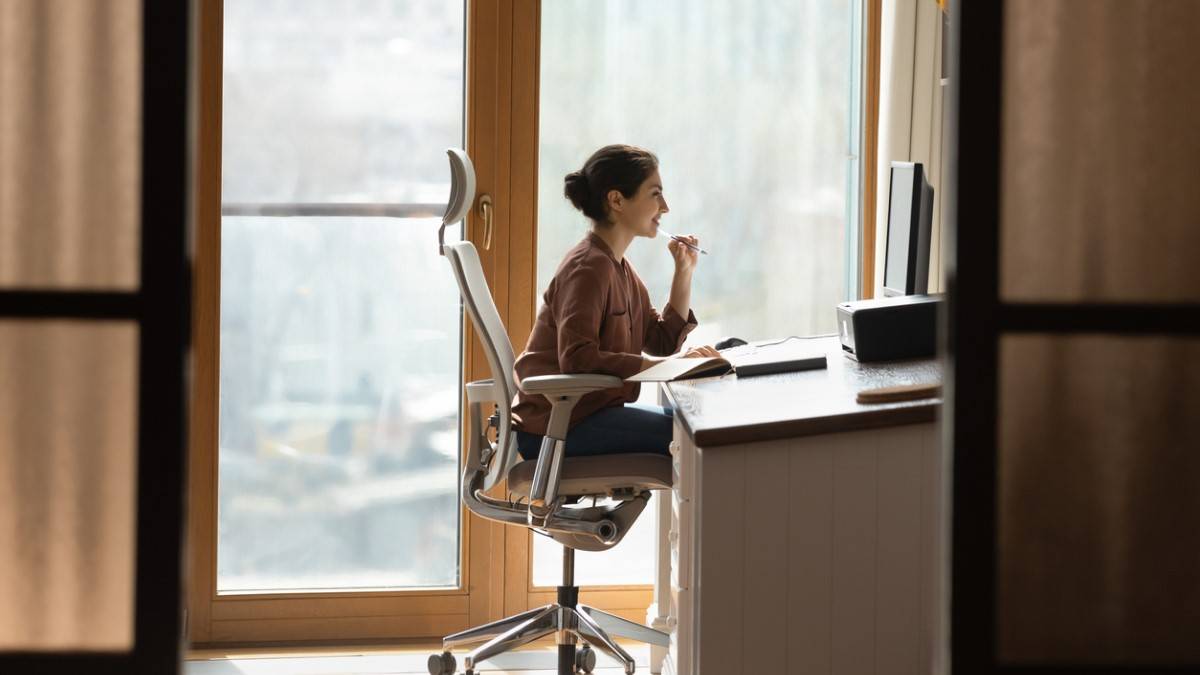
492 58
501 100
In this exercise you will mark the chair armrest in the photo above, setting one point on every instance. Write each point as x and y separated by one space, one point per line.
563 392
482 391
568 385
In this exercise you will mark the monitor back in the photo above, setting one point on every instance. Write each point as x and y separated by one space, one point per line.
910 220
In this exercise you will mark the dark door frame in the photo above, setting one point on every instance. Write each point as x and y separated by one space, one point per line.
161 308
977 319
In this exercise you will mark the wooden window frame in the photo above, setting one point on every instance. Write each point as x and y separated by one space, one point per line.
873 20
502 79
501 139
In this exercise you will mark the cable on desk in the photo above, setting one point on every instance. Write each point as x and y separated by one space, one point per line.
795 337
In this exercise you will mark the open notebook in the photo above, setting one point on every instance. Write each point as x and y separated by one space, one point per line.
749 365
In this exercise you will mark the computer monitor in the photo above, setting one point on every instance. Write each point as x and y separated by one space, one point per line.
910 219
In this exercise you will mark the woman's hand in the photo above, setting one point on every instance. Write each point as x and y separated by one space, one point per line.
703 351
685 256
681 283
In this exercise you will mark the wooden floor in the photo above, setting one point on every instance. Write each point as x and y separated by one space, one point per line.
407 660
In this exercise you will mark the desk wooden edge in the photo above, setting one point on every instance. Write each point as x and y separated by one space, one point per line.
885 415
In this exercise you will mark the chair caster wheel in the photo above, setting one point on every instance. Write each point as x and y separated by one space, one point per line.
585 659
442 664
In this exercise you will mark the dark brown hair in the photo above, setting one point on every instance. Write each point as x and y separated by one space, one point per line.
613 167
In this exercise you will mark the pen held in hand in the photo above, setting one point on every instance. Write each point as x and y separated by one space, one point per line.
683 241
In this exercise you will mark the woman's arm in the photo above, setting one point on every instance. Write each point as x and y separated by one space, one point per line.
681 283
578 307
664 333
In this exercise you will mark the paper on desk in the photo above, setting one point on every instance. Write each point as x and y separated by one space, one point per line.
679 368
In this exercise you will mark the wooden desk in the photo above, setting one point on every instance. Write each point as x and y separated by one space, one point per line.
804 528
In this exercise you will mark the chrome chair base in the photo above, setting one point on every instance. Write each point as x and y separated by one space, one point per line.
569 625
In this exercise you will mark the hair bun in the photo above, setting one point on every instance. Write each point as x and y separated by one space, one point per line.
576 189
614 167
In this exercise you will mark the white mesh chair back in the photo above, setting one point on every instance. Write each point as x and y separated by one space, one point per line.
477 300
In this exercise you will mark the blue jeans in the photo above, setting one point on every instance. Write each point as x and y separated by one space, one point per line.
633 427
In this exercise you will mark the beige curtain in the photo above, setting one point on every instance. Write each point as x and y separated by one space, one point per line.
1099 446
70 124
69 203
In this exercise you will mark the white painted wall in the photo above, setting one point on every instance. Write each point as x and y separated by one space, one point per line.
911 113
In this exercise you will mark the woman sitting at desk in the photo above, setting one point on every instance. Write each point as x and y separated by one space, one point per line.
597 317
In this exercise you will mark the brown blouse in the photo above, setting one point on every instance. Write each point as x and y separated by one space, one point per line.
597 318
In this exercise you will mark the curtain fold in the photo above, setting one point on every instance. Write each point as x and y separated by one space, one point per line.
70 121
68 456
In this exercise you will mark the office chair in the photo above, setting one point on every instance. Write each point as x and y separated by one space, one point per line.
557 496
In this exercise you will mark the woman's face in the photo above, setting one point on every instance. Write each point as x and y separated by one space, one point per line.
640 213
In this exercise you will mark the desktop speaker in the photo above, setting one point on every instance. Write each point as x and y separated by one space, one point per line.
884 329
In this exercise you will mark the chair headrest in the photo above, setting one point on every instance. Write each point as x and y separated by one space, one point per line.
462 191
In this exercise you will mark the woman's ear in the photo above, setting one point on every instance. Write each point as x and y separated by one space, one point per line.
615 200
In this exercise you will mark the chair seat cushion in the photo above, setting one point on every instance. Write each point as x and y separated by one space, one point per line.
599 474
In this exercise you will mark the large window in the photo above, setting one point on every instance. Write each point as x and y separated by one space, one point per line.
341 357
752 109
340 327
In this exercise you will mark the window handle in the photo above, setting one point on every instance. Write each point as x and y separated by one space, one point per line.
485 212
